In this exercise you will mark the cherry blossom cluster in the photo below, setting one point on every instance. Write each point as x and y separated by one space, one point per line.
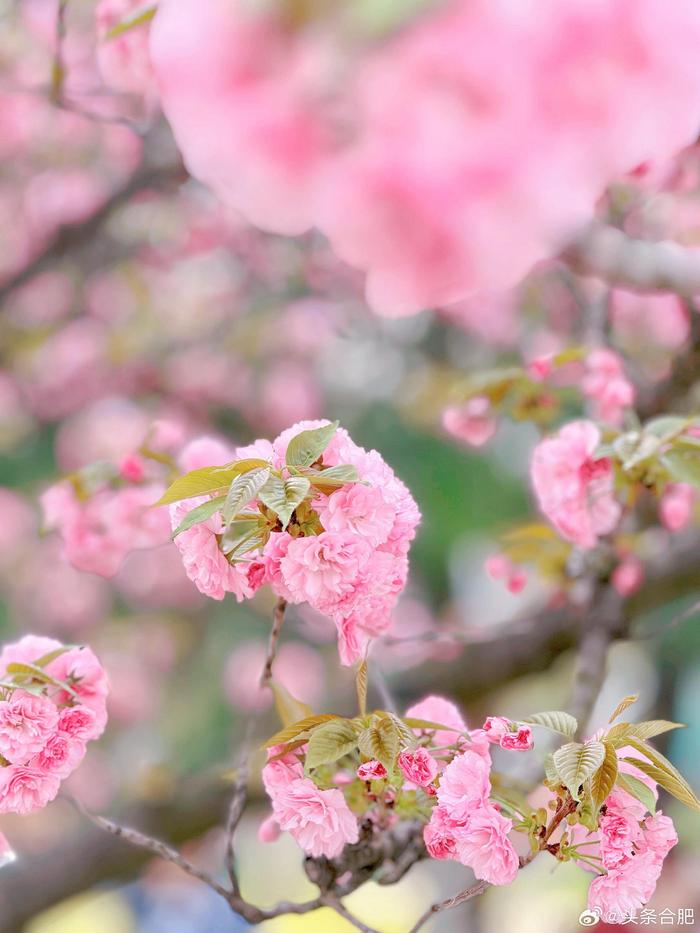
400 148
312 514
331 780
52 703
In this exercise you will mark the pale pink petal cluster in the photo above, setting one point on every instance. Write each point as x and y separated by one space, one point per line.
98 531
500 567
418 766
44 733
508 734
574 488
628 576
607 387
319 820
401 150
466 826
677 505
371 771
471 422
438 710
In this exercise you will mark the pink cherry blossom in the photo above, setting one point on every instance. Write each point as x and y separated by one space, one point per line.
25 789
676 506
628 576
418 766
204 562
464 786
606 385
371 771
627 888
269 830
573 487
81 723
519 740
495 728
439 834
319 820
500 567
470 422
439 710
26 724
61 755
484 846
361 510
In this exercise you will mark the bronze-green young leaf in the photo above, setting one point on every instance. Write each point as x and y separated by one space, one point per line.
637 789
624 704
207 480
330 742
242 491
282 496
381 741
290 709
660 769
199 514
683 465
289 733
555 721
619 734
306 447
603 780
576 762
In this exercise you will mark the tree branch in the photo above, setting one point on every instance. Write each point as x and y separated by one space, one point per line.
277 623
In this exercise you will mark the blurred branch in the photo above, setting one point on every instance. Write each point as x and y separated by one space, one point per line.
277 623
75 240
641 265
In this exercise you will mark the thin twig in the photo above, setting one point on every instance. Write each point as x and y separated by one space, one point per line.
277 623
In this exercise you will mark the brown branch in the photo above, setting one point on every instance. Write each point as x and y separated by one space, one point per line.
277 623
640 265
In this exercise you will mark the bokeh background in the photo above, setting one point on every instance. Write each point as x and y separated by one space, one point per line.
128 296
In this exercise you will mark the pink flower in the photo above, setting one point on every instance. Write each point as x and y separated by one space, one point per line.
464 786
495 728
626 888
607 386
418 766
326 570
575 490
60 756
371 771
81 723
205 564
484 846
520 740
660 835
470 422
205 452
500 567
279 773
439 835
676 507
26 723
439 710
26 789
628 576
132 468
360 510
319 820
269 830
81 668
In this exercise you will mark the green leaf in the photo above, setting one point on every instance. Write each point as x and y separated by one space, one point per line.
576 763
666 426
407 737
140 19
330 742
289 708
52 655
199 514
620 734
556 721
306 447
638 789
361 686
550 770
381 742
243 490
333 477
207 480
289 733
429 724
664 773
588 812
284 495
244 531
603 780
624 704
683 465
33 672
